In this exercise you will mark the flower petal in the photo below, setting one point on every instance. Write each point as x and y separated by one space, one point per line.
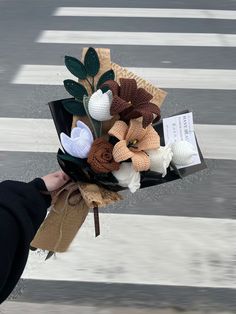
137 113
81 147
151 140
100 105
119 130
66 143
160 159
118 105
141 96
141 161
128 88
127 176
112 85
121 152
135 131
76 132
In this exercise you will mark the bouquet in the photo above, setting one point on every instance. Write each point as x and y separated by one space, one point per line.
112 139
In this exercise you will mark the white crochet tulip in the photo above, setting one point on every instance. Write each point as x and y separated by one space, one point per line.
128 177
99 105
80 142
183 153
160 159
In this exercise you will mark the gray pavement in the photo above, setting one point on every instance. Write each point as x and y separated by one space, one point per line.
20 24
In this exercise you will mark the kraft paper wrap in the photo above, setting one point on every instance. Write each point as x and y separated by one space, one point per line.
70 207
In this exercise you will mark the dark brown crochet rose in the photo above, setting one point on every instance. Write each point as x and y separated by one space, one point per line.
100 157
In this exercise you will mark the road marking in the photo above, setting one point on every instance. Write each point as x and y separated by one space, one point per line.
145 12
28 135
162 77
62 307
182 251
39 135
137 38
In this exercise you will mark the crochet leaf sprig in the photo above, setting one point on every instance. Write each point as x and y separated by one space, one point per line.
84 71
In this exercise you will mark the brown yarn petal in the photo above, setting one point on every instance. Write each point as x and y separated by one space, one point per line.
128 88
118 105
141 96
147 111
112 85
100 157
124 115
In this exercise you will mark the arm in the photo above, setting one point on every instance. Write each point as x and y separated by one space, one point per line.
23 207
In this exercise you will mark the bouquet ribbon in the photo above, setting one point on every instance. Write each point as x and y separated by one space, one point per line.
69 209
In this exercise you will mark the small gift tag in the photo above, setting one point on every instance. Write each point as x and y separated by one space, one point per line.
180 128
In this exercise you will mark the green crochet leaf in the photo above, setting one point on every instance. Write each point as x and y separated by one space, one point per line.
75 89
96 125
74 107
109 75
66 157
91 62
76 67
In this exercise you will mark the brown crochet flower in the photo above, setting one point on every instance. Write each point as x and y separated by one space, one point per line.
100 157
131 102
134 140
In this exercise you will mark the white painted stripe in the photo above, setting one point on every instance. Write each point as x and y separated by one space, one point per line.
39 135
62 308
162 77
28 135
180 251
137 38
145 12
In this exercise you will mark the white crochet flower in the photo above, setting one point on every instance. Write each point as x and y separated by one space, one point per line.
160 159
80 142
99 105
128 177
183 153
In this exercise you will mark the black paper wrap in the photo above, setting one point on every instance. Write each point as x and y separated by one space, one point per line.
79 170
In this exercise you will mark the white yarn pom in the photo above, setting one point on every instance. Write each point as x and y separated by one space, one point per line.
99 105
183 153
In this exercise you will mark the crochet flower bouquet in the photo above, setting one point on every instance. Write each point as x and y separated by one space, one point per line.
111 134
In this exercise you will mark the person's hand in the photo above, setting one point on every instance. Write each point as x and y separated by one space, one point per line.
54 181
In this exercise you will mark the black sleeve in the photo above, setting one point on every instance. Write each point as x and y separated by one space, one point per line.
23 207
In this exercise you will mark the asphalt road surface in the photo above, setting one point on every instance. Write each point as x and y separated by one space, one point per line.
167 247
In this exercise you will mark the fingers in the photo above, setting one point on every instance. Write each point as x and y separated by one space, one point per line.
61 175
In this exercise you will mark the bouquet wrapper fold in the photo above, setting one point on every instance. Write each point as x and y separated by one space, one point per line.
70 207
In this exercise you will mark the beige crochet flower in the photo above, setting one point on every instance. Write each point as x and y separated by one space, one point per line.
133 141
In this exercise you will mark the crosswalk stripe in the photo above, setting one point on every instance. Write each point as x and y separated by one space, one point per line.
137 38
194 244
39 135
162 77
146 12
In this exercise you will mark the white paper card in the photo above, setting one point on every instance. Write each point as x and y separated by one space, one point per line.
180 128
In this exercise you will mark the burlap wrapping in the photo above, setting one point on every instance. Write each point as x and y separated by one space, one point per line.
70 207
